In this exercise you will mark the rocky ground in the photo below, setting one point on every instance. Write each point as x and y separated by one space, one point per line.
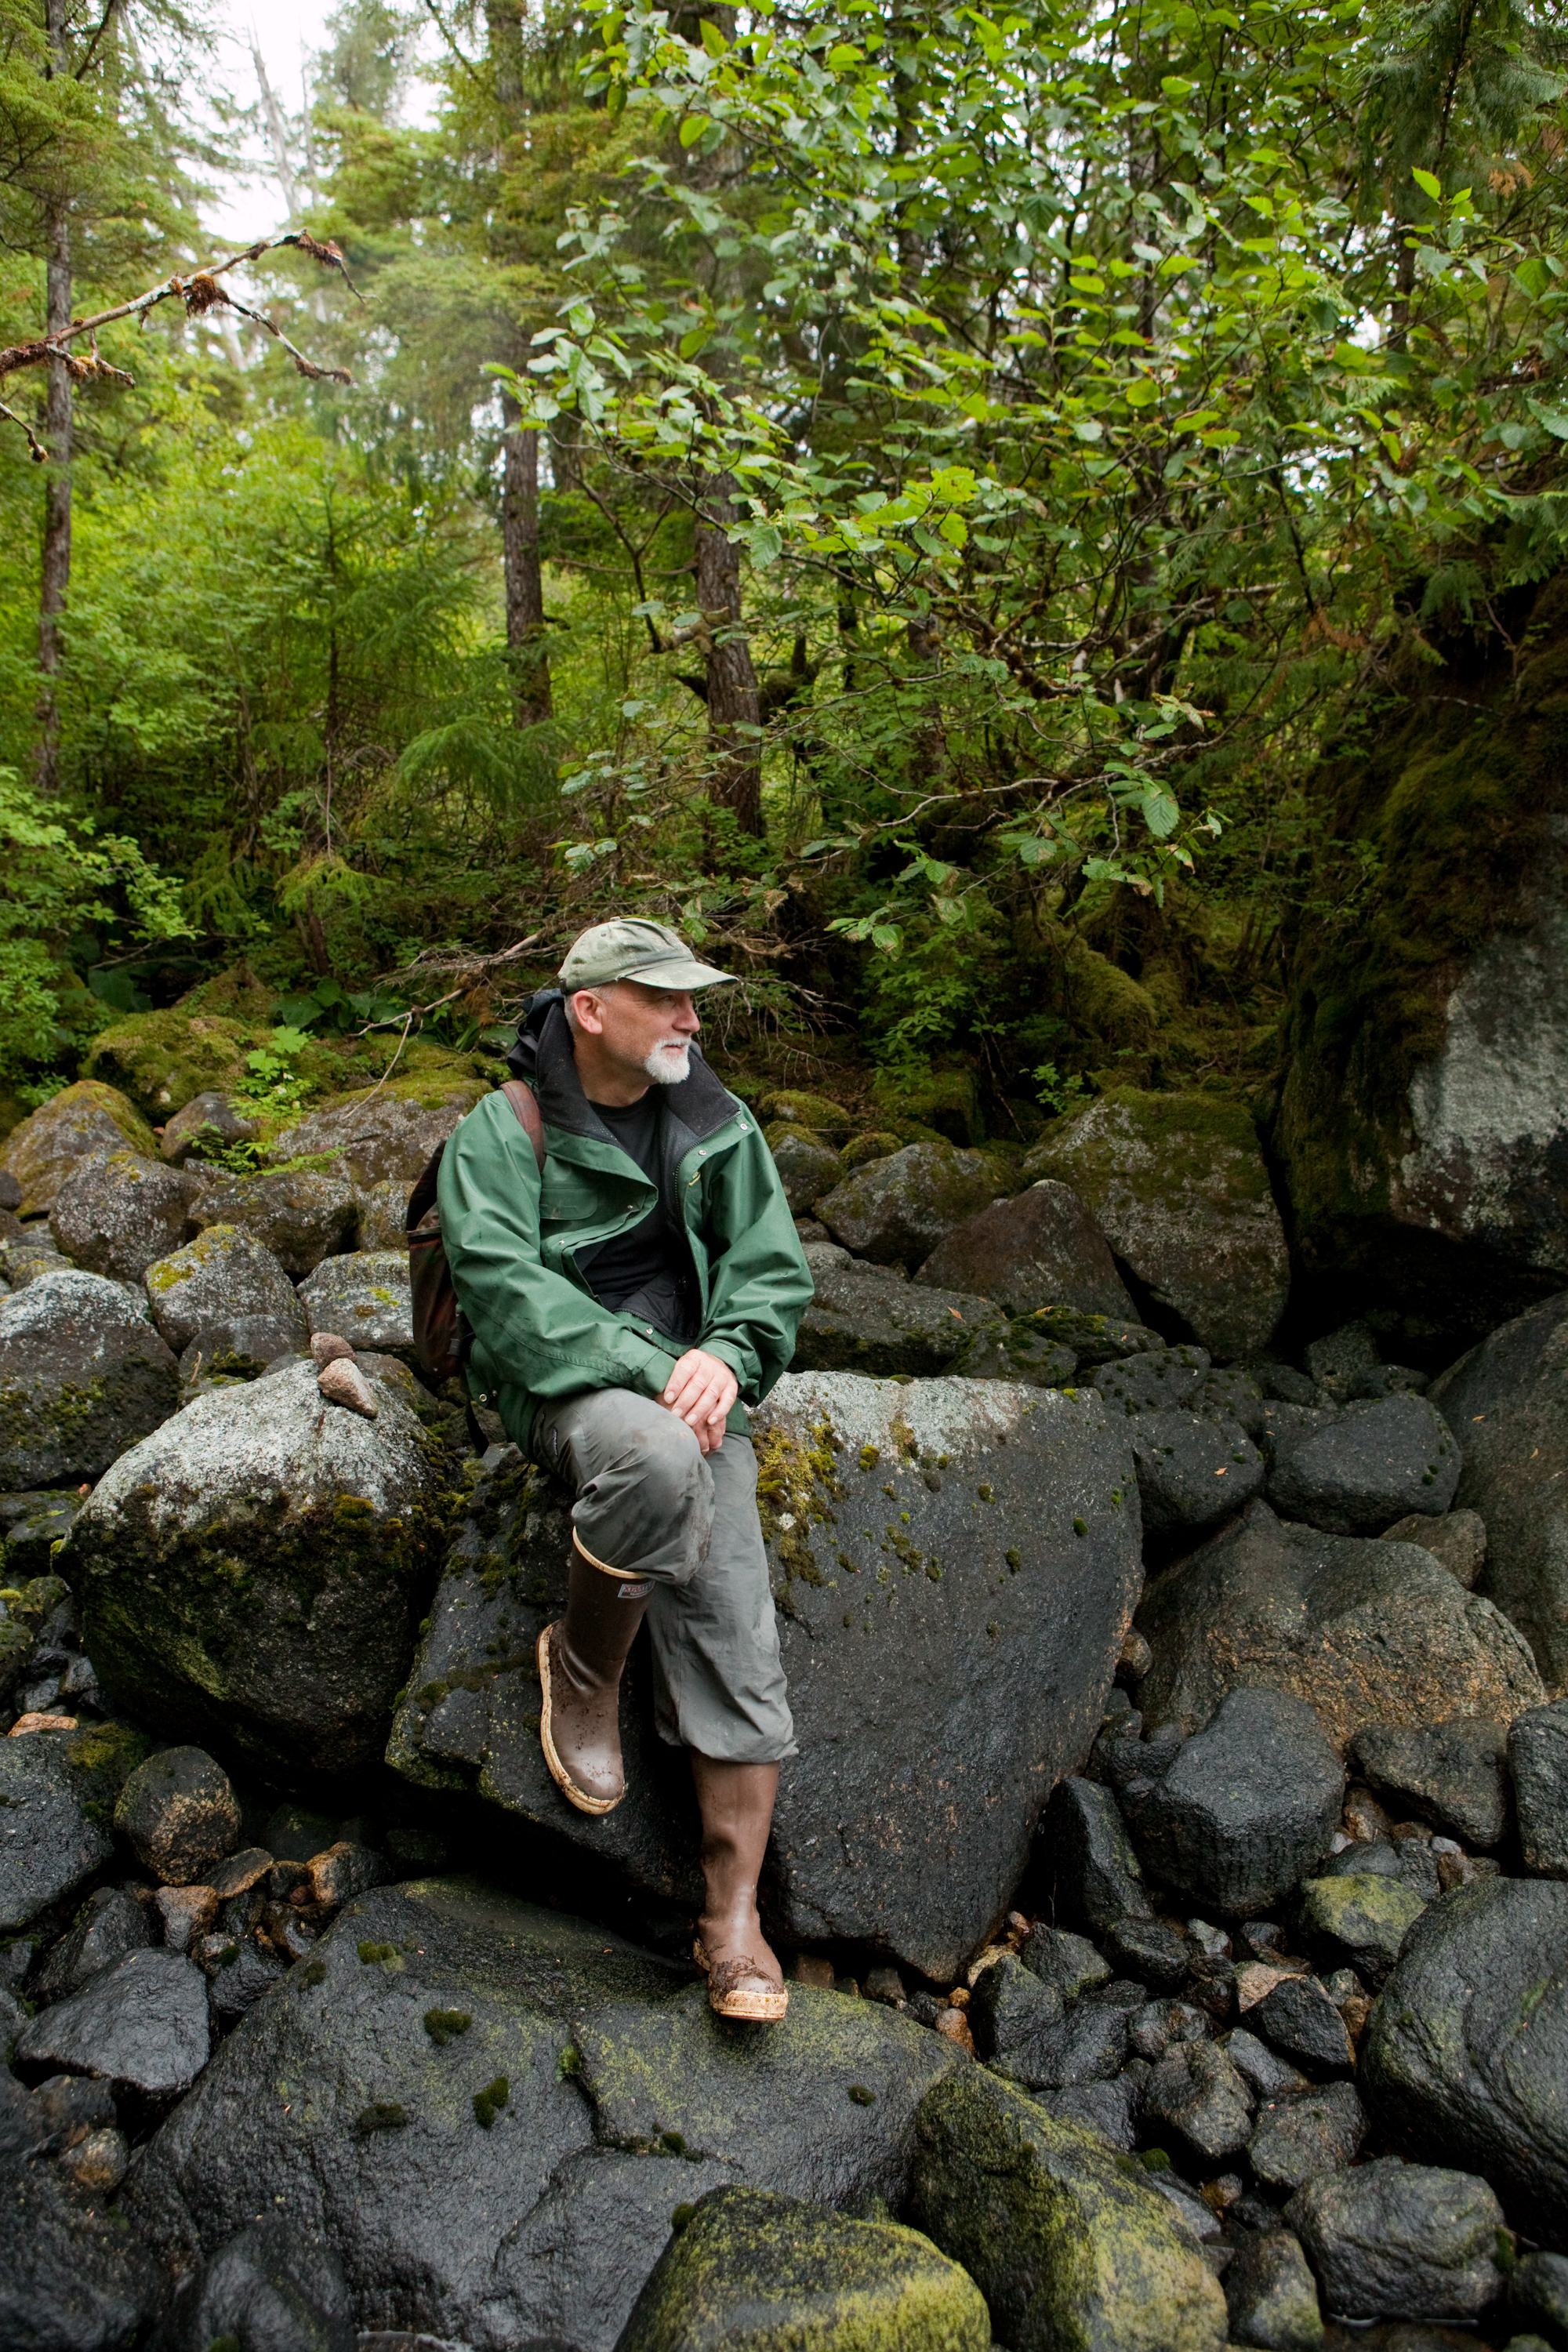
1173 1876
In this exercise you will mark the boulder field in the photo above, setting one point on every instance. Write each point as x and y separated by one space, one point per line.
1171 1878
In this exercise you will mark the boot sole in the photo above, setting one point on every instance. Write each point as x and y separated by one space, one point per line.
762 2002
558 1772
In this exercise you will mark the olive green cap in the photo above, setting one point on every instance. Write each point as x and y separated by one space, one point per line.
634 950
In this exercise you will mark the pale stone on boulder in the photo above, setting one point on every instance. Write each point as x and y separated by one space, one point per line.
251 1575
1366 1632
1177 1184
72 1125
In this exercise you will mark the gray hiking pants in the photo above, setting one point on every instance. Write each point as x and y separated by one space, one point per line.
651 1504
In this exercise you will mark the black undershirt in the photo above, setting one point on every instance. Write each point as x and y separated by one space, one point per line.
651 1259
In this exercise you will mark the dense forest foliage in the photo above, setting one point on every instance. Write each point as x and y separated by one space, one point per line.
912 495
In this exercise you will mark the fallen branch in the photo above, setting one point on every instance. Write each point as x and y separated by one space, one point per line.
200 291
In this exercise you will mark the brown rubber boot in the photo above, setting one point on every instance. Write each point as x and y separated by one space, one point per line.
579 1662
736 1802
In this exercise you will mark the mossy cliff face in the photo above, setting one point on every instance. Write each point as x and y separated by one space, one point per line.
1423 1123
45 1150
513 2181
252 1574
1177 1185
754 2272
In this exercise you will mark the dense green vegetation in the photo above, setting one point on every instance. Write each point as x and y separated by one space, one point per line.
917 497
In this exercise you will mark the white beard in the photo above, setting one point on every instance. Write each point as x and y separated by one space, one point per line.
669 1066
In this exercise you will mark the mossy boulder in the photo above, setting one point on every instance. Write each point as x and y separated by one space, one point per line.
814 1112
163 1060
1177 1185
57 1790
870 1318
221 1277
390 1132
751 2272
942 1101
300 1214
896 1210
83 1376
492 2112
1066 2241
365 1297
1359 1920
49 1148
119 1214
1422 1125
808 1166
252 1575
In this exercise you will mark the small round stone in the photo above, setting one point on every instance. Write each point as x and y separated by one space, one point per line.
179 1815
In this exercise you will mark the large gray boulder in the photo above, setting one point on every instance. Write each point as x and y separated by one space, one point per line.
896 1210
1040 1249
1372 1463
1177 1185
1192 1472
387 1131
869 1318
494 2110
365 1298
1465 2059
1392 2241
83 1375
954 1562
1366 1632
117 1214
221 1276
253 1573
1248 1807
1507 1405
300 1214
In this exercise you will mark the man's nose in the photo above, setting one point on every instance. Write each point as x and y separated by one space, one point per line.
686 1018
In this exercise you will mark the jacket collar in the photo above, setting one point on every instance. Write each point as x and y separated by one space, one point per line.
543 1056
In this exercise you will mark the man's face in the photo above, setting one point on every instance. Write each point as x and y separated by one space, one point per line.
646 1029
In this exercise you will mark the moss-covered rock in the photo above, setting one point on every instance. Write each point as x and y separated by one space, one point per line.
1421 1124
253 1574
944 1101
1177 1185
869 1318
512 2181
57 1790
83 1375
365 1297
390 1132
814 1112
896 1210
117 1215
50 1146
221 1277
1072 2248
751 2272
163 1060
300 1214
808 1166
1359 1920
876 1143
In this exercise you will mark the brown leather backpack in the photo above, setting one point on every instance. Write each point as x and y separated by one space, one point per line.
441 1335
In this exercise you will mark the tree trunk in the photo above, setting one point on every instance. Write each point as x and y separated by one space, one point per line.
56 568
733 699
524 583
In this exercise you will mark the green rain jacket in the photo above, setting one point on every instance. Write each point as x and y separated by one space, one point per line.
513 1237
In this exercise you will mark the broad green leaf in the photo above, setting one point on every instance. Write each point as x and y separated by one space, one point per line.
1428 183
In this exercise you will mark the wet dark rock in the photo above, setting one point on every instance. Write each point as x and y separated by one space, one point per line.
1146 1948
1271 2077
1312 2132
240 1871
65 2110
870 1320
1162 1379
294 1834
750 2272
896 1210
73 2278
1361 1920
1458 1539
1393 2241
1068 1962
1193 1471
1538 2293
1272 2296
1365 1632
270 2288
58 1789
110 1924
1162 2025
116 1215
1110 2109
83 1375
221 1276
343 1871
1410 1859
179 1815
295 1499
142 2025
1451 1774
1376 1461
1538 1763
238 1968
1016 2020
32 1525
1198 2091
1065 2238
1088 1859
808 1166
1466 2053
1340 1361
1088 2045
1248 1804
1298 2017
300 1214
1042 1248
1230 1393
920 1629
610 2094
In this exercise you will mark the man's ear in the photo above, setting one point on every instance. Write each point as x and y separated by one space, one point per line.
590 1011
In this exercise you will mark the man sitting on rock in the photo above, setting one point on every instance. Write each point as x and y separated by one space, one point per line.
621 1305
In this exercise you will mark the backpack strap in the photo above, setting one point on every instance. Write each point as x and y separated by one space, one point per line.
521 1100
